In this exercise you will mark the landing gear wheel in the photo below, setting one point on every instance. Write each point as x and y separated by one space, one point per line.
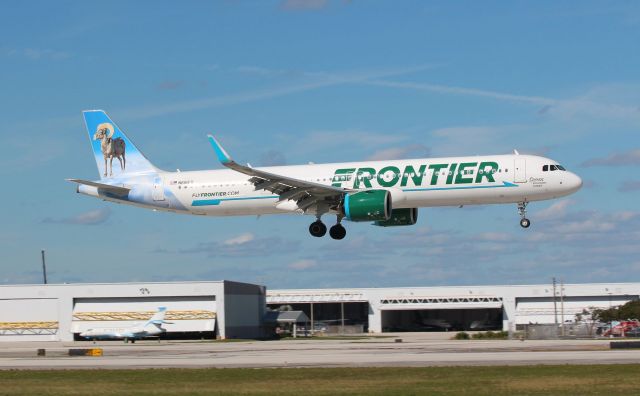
317 229
337 231
522 211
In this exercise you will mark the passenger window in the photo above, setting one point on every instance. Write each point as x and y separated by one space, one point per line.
545 168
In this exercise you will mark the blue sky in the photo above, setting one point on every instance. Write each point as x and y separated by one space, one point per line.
294 81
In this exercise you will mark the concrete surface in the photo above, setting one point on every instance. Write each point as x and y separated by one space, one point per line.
417 349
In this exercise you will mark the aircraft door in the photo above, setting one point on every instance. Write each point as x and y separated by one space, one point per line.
520 170
158 189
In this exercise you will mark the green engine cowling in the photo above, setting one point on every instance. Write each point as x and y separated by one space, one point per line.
400 217
369 205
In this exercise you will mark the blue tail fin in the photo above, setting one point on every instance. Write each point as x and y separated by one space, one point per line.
158 317
115 154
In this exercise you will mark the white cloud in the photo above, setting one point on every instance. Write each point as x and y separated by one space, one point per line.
92 217
302 264
39 54
576 229
242 246
240 239
303 5
494 236
629 186
631 157
590 104
558 210
625 216
409 151
472 140
319 80
470 132
447 89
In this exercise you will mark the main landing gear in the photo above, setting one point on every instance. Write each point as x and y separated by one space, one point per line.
318 229
522 211
337 231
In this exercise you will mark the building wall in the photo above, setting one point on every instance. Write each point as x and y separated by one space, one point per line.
39 306
240 307
520 304
244 308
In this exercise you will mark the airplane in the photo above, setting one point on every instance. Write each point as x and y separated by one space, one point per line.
385 193
151 328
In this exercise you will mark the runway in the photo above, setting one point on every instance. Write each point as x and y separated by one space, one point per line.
414 350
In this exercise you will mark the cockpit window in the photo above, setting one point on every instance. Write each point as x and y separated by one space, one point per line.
545 168
553 167
561 167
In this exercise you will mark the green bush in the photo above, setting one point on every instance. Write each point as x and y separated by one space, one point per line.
491 335
462 335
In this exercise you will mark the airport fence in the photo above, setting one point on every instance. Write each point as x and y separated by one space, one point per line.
346 329
552 331
541 332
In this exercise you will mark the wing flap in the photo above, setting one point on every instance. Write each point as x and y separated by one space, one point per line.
268 177
284 186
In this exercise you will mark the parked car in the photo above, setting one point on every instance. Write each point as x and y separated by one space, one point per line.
633 332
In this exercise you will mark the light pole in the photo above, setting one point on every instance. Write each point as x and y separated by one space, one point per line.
562 304
44 268
555 307
610 321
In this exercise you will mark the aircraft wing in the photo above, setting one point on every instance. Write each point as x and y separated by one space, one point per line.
107 187
305 193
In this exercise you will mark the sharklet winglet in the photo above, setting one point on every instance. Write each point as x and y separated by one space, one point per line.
221 153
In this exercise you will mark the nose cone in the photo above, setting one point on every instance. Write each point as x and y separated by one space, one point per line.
574 182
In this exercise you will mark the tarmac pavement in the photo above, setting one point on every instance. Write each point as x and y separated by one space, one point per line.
416 349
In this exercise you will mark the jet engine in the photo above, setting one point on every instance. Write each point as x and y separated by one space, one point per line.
368 205
400 217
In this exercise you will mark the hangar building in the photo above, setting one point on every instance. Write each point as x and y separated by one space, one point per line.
227 309
379 310
221 309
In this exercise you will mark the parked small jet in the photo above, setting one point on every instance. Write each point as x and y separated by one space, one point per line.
151 328
386 193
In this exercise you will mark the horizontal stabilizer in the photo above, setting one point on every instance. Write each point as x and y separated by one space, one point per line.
106 187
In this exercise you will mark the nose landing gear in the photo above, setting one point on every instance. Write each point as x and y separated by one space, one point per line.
522 211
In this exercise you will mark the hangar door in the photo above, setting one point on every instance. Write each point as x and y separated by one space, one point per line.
186 313
441 313
541 310
29 316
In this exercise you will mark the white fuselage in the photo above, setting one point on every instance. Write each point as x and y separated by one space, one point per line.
387 193
138 331
412 183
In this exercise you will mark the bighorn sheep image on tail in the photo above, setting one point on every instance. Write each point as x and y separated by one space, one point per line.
110 147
